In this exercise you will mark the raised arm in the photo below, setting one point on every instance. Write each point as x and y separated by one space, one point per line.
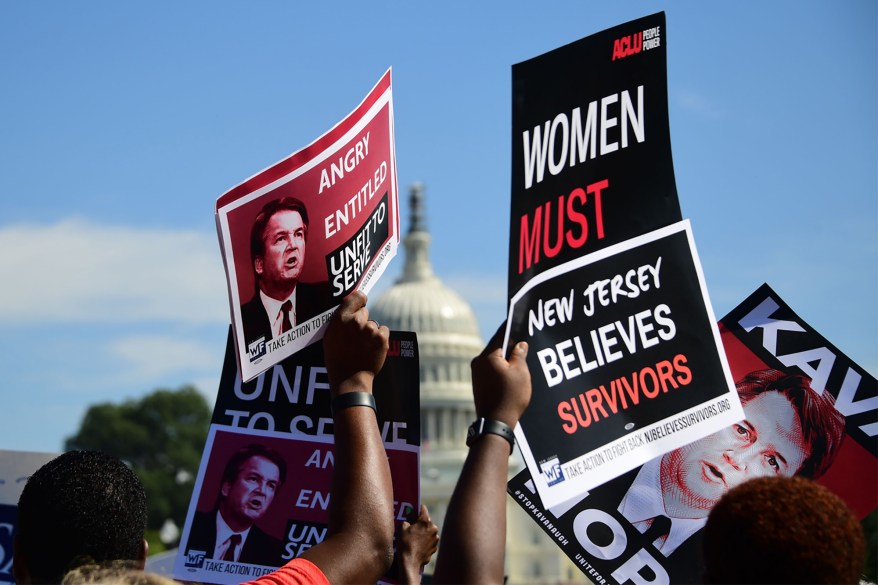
358 545
474 534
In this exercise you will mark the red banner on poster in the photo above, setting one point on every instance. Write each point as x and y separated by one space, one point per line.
300 235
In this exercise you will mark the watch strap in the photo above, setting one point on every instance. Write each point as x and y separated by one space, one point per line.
349 399
483 426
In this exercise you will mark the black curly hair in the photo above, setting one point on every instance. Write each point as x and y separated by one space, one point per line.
82 507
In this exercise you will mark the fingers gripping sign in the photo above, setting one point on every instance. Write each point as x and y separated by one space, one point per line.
501 387
355 347
418 541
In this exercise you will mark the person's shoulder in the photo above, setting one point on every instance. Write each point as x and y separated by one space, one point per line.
298 571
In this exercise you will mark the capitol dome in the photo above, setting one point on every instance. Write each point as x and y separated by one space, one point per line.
448 339
447 330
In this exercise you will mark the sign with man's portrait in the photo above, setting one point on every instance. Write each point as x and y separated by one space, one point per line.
261 496
263 500
302 234
808 411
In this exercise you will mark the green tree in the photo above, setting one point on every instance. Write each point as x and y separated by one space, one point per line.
162 437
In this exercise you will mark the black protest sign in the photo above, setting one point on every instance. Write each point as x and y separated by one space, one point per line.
591 152
293 396
625 362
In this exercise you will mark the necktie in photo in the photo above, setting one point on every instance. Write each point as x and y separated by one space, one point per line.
234 541
286 325
658 531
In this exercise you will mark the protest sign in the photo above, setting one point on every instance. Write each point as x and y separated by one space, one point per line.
787 374
287 409
625 362
15 468
309 230
591 151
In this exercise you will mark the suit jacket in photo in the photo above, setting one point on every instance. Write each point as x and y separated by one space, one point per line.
684 565
259 548
312 298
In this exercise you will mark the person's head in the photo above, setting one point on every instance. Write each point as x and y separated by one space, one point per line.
277 246
250 481
782 530
788 430
81 507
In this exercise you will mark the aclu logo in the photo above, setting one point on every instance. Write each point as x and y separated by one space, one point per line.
552 471
256 350
195 559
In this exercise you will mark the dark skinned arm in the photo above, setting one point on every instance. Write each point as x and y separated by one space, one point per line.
474 535
358 545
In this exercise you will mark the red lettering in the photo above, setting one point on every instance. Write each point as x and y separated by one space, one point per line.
649 393
529 246
633 393
583 422
569 424
665 371
577 218
627 46
552 250
595 189
613 397
618 53
535 238
637 45
680 365
589 406
595 402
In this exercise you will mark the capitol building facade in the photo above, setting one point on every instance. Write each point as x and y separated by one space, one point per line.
448 339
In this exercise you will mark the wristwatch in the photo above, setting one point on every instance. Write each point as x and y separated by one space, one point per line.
483 426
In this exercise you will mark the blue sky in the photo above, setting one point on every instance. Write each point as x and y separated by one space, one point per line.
121 123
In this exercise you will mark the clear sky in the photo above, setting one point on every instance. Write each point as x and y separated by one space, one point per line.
122 122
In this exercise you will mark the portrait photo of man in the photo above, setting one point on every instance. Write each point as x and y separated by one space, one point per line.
277 253
788 430
250 480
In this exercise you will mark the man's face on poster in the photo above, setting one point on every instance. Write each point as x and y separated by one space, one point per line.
281 265
249 497
767 442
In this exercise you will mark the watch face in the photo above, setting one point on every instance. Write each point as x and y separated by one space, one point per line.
472 432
